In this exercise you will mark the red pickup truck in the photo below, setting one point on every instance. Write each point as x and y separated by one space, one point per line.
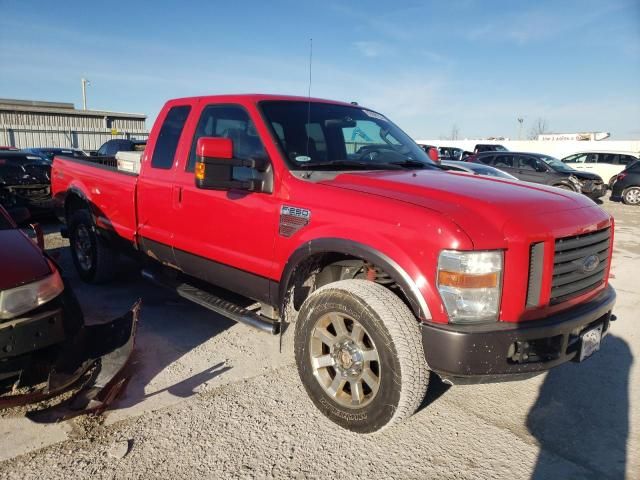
323 222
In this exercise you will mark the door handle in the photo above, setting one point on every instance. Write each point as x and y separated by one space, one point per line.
177 195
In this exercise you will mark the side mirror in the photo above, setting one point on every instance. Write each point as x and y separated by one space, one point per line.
20 215
215 166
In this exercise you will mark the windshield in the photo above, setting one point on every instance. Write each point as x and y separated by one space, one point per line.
339 137
556 164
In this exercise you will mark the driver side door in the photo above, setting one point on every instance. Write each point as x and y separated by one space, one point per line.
225 237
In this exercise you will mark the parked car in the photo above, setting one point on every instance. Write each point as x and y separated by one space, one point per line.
48 153
626 185
431 151
43 339
606 164
25 181
376 269
111 147
475 169
538 168
489 147
450 153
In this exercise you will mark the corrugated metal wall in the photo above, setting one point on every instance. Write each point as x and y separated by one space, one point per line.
23 129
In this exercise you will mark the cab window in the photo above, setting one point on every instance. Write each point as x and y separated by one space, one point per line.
228 121
169 136
503 161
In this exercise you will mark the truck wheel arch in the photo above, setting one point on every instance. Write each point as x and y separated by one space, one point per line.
75 199
303 258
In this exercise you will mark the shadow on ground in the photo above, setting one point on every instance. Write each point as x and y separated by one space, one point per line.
169 328
581 416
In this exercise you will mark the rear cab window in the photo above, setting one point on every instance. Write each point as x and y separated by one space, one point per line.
169 137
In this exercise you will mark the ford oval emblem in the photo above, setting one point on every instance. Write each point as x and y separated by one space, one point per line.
590 263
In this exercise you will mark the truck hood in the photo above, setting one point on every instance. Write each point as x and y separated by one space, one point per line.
22 261
473 202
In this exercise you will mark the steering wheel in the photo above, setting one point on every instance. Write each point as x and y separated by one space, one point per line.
369 151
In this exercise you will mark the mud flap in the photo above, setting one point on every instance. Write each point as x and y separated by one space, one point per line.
92 361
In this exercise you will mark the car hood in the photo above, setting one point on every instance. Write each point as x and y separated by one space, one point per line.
586 175
474 203
22 261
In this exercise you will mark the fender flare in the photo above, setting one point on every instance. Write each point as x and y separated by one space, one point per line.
349 247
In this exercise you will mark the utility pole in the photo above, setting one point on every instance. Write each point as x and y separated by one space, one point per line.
520 121
85 82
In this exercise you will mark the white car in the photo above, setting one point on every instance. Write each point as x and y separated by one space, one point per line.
606 164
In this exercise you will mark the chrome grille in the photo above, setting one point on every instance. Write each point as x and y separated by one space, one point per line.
575 269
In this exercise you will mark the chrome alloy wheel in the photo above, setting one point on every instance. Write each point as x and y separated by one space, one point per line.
632 196
82 247
345 360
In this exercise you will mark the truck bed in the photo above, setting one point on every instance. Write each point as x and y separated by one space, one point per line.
111 193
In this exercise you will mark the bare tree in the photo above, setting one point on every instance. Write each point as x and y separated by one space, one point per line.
455 132
540 127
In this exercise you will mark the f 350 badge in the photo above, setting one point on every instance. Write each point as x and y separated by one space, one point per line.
293 219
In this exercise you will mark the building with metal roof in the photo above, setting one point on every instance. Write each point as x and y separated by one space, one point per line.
26 123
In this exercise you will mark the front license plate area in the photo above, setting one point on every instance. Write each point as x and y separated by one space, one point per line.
590 342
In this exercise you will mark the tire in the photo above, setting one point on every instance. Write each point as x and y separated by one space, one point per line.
631 196
94 259
363 382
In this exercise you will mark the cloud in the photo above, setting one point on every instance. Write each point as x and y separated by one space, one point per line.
371 49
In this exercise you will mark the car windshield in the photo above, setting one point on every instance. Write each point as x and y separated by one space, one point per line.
316 135
4 223
556 164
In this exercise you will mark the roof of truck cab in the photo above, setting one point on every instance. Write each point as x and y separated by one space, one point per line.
259 97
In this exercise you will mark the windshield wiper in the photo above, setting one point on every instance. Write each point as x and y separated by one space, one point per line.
349 164
413 164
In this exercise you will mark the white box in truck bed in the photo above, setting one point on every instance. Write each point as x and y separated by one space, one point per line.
129 161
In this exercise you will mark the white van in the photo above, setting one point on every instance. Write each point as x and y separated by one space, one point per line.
606 164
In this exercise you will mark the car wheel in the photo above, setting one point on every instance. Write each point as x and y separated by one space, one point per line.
631 196
94 260
359 353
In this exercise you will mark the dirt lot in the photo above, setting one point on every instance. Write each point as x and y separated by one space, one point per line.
209 398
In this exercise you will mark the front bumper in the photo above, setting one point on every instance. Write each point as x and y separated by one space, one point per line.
595 190
509 351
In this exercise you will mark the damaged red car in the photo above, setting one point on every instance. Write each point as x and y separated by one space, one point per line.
45 346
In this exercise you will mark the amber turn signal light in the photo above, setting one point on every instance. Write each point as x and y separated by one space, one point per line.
466 280
200 169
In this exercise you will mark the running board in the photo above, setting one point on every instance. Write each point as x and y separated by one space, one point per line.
216 304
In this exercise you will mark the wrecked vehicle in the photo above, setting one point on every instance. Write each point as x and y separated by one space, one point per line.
374 263
45 346
25 181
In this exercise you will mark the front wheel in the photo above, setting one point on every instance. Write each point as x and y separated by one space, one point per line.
631 196
359 353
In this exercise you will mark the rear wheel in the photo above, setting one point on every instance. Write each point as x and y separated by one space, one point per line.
359 353
93 258
631 196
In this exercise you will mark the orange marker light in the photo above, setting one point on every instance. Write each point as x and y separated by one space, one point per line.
466 280
200 170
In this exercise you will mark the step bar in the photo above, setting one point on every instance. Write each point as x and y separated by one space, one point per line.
215 304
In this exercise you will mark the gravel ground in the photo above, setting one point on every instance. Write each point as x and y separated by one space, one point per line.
214 399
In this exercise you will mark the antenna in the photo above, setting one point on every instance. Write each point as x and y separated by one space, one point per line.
309 93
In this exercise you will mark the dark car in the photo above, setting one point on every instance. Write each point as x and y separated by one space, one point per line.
626 186
47 153
538 168
25 180
111 147
43 338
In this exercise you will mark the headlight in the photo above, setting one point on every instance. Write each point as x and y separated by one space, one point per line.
470 284
575 180
16 301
